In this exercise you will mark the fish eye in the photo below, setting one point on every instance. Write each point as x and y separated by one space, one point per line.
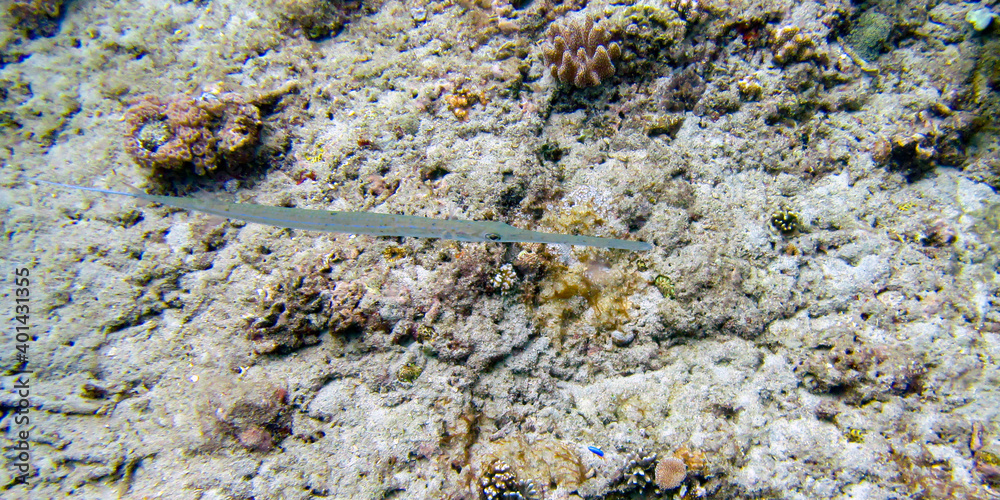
493 236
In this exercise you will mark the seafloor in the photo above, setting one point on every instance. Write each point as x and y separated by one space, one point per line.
818 318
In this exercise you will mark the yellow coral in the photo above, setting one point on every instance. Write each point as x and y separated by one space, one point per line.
594 295
546 460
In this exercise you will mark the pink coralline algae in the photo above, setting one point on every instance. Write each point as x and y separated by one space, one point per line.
171 134
257 414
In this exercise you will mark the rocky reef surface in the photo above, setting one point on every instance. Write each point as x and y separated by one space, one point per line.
818 318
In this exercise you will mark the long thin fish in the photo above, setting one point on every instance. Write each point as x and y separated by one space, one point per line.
372 223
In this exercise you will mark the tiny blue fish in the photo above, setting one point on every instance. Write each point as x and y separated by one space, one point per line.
596 451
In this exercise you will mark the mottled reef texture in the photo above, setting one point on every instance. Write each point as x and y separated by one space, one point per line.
818 318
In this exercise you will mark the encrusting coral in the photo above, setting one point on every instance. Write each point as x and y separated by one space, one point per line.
254 413
297 311
171 134
579 54
317 19
869 34
35 17
861 372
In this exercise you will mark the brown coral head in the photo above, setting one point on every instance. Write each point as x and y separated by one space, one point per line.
990 473
256 438
580 54
183 132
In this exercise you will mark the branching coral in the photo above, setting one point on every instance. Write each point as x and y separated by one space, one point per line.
504 279
638 471
791 46
785 221
170 134
579 54
500 482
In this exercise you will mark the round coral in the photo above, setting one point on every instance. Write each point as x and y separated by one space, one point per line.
168 135
670 473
